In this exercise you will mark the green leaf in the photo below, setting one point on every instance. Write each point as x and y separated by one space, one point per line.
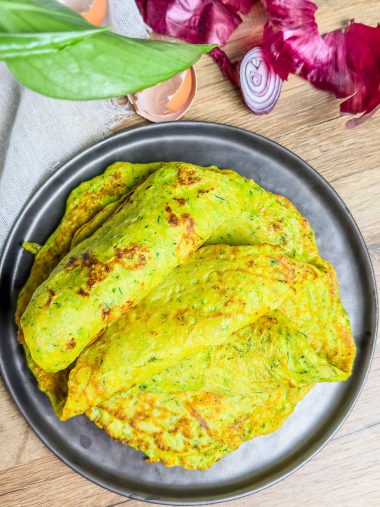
40 26
24 16
54 51
25 44
105 65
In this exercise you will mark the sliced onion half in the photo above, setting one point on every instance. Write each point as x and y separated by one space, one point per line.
260 85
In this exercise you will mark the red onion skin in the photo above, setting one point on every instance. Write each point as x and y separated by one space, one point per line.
345 62
243 6
229 70
196 21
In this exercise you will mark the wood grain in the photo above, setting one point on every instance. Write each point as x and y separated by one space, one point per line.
347 471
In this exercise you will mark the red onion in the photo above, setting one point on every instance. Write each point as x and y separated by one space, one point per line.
345 62
259 84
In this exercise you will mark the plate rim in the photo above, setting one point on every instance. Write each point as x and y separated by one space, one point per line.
321 441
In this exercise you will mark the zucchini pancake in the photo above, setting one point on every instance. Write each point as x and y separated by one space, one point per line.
183 309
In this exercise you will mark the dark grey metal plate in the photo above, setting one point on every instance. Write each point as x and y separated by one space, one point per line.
256 464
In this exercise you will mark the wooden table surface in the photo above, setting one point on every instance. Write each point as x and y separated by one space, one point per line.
347 471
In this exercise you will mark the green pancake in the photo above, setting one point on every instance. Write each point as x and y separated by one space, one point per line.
273 220
168 217
83 203
194 413
127 257
206 355
264 356
202 302
193 430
